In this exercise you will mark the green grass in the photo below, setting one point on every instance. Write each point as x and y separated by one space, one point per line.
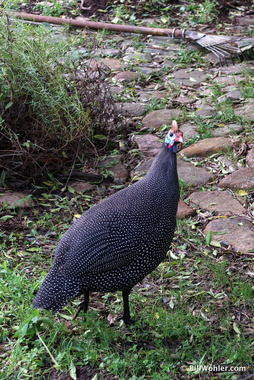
202 13
55 9
187 58
247 86
197 308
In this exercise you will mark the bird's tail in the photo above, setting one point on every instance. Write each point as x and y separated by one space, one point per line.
56 290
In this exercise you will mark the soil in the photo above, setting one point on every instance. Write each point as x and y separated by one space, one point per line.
91 7
101 8
94 7
86 373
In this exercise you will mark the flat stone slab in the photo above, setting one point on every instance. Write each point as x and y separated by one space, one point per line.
148 144
206 147
229 79
189 130
189 77
81 186
234 95
218 202
136 56
125 76
191 174
115 165
230 70
145 96
16 199
142 168
111 63
227 130
236 231
157 119
250 157
131 109
246 110
206 111
184 211
240 179
184 100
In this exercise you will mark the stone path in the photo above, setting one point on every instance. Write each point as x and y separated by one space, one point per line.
151 87
231 211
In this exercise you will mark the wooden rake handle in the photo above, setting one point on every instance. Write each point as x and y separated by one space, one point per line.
82 23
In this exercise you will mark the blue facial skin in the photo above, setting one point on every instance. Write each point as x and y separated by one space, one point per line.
170 142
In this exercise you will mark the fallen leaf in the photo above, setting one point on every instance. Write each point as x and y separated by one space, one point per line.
242 193
111 319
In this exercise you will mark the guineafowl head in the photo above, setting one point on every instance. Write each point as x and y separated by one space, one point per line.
174 138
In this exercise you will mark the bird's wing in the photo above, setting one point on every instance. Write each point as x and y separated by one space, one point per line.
101 248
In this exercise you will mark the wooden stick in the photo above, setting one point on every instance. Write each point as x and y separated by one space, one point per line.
83 23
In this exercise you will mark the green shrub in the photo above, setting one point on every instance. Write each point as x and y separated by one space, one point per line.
51 103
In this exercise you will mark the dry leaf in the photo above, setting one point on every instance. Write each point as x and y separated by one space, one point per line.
111 319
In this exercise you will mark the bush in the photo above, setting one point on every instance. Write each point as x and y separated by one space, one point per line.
51 105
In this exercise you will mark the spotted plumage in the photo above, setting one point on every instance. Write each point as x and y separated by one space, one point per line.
119 241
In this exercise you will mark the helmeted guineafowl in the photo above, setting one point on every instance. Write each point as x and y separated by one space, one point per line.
119 241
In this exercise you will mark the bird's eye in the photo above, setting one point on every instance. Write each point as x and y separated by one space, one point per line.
171 134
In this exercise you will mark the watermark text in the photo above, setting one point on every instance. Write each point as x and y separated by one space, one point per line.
214 368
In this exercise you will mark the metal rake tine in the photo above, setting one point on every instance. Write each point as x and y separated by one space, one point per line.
235 53
229 47
227 54
221 50
220 54
224 53
214 52
217 55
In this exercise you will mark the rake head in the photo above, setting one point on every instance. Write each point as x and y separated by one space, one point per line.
223 47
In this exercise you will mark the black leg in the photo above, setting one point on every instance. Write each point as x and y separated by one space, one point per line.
83 306
126 308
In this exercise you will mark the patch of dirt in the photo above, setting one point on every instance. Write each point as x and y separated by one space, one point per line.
86 373
101 8
94 7
152 8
